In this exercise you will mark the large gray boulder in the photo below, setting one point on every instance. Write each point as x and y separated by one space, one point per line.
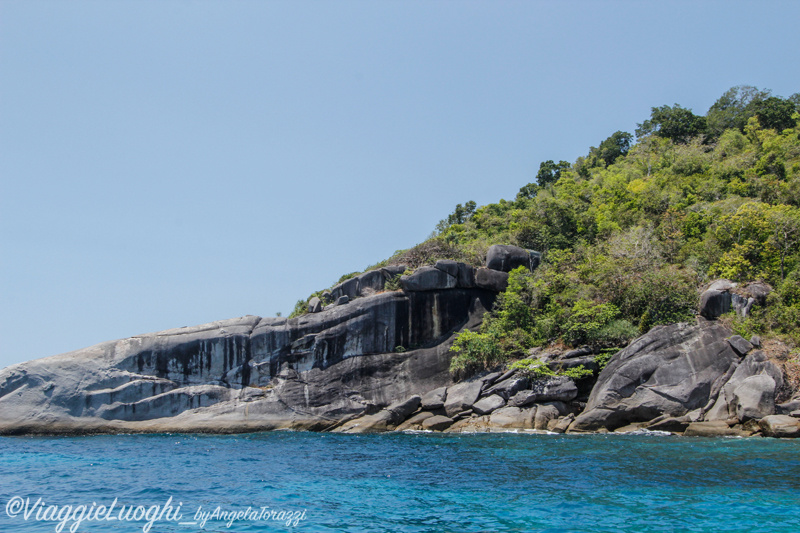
429 278
513 418
434 399
415 422
755 398
466 276
387 418
547 389
314 305
547 412
714 303
486 405
749 402
780 426
506 258
366 284
462 396
508 387
493 280
447 266
670 370
437 423
722 296
741 345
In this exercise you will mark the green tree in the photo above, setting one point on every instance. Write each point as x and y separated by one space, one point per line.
675 123
775 113
528 191
615 146
461 214
785 224
733 108
550 171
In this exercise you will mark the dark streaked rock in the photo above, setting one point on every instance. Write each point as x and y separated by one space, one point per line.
492 280
506 258
428 278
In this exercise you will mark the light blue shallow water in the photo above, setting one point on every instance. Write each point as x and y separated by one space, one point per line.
412 482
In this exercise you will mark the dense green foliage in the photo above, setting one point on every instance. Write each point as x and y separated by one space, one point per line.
536 368
631 232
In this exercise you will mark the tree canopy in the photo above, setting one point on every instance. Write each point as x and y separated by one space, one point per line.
675 123
631 231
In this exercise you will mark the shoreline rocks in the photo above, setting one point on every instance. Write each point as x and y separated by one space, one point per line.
378 361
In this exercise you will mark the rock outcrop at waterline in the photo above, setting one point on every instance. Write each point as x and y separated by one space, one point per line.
367 359
684 373
350 358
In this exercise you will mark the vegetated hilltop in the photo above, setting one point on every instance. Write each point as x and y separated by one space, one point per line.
631 231
610 252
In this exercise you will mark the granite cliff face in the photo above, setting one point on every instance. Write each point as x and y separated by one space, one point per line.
370 359
252 373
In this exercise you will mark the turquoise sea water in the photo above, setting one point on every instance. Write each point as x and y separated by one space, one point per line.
404 482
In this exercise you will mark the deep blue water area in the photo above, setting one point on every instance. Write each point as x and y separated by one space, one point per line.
420 482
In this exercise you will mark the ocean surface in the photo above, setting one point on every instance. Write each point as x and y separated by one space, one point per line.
422 482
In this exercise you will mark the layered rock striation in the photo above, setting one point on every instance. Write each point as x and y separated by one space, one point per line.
351 358
372 354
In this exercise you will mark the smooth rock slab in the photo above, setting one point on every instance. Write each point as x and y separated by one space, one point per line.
714 428
755 397
492 280
437 423
488 404
462 396
740 344
508 388
513 418
434 399
780 426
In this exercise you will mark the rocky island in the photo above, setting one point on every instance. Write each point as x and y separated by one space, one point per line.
379 360
666 297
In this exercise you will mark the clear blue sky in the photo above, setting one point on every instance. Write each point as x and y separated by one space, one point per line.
169 163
